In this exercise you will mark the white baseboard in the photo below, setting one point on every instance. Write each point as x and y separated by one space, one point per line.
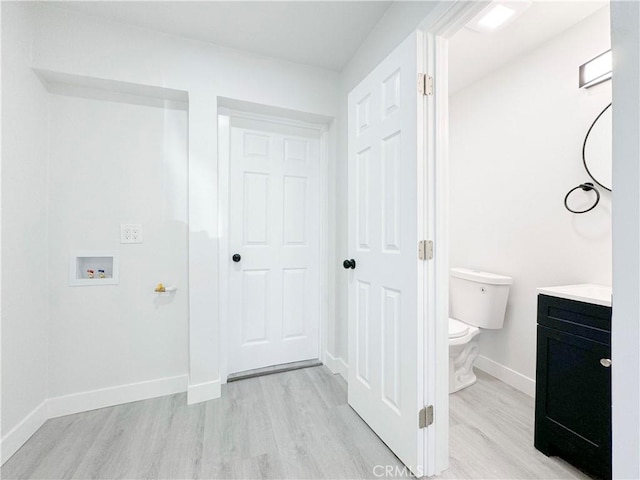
507 375
108 397
201 392
337 365
85 401
19 434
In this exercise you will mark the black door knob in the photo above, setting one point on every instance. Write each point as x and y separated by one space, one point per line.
236 257
349 264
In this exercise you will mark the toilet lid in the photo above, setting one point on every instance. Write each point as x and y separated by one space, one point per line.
457 328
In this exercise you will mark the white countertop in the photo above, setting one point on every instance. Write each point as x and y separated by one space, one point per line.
584 292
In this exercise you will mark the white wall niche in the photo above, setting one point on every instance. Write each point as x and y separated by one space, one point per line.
81 261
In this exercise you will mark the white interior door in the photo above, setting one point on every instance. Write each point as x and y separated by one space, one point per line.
385 296
274 226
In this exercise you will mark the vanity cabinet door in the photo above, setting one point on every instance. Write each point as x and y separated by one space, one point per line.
573 400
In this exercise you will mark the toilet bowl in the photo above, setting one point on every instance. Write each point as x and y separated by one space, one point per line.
463 351
478 301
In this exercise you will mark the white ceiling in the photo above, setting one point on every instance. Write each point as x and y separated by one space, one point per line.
473 55
323 34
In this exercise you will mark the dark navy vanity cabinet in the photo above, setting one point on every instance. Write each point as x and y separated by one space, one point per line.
573 383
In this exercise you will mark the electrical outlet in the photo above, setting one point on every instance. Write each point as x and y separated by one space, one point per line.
130 233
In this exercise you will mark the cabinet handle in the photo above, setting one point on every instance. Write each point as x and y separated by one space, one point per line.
605 362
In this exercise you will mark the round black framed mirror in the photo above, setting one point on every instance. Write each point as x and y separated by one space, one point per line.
596 150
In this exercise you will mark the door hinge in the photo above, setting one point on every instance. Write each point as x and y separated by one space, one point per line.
425 417
425 84
425 250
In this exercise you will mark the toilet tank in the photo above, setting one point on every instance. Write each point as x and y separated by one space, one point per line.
478 298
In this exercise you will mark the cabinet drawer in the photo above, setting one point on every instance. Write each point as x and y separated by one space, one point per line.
583 319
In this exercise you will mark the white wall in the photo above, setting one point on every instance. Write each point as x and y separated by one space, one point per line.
116 341
515 151
91 48
625 341
76 44
24 224
82 45
112 163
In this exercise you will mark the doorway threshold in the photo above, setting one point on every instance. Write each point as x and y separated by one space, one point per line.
285 367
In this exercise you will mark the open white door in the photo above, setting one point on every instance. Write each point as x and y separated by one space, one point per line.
386 299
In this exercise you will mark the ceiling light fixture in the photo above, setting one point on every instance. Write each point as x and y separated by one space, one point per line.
498 14
496 17
596 70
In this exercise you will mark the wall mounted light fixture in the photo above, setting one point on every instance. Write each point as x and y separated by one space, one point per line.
596 70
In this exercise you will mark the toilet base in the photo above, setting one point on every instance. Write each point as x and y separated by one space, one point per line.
461 360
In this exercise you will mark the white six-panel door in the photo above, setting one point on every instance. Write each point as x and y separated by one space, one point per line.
385 324
274 227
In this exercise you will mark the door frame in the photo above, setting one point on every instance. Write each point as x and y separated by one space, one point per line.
433 136
225 115
624 18
439 28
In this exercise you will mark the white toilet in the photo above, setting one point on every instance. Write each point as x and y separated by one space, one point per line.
478 301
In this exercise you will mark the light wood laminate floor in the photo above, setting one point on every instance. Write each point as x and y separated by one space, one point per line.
293 425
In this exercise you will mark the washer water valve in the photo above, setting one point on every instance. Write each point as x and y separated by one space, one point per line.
163 290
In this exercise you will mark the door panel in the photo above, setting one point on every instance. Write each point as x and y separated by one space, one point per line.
385 331
295 201
274 226
573 398
255 286
363 339
293 302
255 201
391 321
363 200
